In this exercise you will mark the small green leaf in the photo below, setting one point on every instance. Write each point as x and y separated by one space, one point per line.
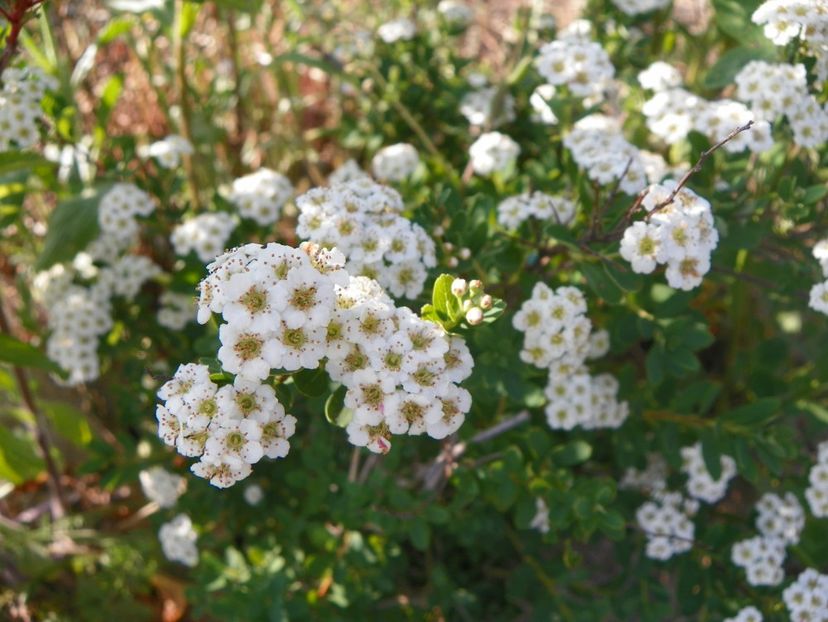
601 283
23 355
573 453
72 226
69 422
724 70
19 461
759 413
311 382
334 406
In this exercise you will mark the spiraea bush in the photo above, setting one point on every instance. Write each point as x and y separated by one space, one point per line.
417 311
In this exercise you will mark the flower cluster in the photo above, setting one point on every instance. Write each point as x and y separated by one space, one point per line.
493 152
260 196
665 521
118 209
597 145
168 151
780 522
178 540
290 309
785 20
23 88
455 13
719 118
581 65
402 29
659 76
161 486
395 162
513 211
176 310
700 483
807 598
649 480
347 171
558 336
747 614
635 7
670 113
680 234
818 299
206 234
364 221
482 107
817 492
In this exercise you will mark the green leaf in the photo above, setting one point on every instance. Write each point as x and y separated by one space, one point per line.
14 161
759 413
723 72
601 283
69 422
311 382
335 407
72 226
816 410
22 354
573 453
655 363
19 461
814 194
711 454
114 29
420 534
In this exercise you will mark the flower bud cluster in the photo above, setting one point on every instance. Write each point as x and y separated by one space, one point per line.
396 162
667 525
817 492
700 484
580 64
558 336
493 152
260 196
474 301
364 221
168 151
178 540
818 299
513 211
23 89
206 234
636 7
289 309
807 598
176 310
161 486
681 235
598 146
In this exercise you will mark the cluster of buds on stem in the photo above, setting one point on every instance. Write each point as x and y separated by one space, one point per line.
473 300
460 303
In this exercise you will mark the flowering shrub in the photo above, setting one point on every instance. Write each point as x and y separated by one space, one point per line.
328 311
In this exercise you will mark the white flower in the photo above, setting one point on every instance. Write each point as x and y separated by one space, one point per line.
402 29
178 540
167 151
818 300
640 246
395 162
493 152
260 196
245 352
161 486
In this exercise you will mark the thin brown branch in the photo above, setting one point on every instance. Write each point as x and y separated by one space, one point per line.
16 18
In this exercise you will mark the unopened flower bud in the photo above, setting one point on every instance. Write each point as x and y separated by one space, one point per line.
467 304
438 231
465 253
452 262
448 247
474 316
458 287
486 302
475 285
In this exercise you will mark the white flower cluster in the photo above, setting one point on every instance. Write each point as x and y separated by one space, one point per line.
700 484
178 540
168 151
290 309
260 196
118 209
229 428
478 107
20 110
670 113
402 29
364 221
176 310
780 89
817 492
747 614
665 521
785 20
659 76
780 522
493 152
347 171
582 65
206 234
635 7
161 486
513 211
681 235
395 162
719 118
761 558
807 598
599 147
78 315
818 299
455 13
558 336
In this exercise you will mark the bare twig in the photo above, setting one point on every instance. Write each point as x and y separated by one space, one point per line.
16 18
